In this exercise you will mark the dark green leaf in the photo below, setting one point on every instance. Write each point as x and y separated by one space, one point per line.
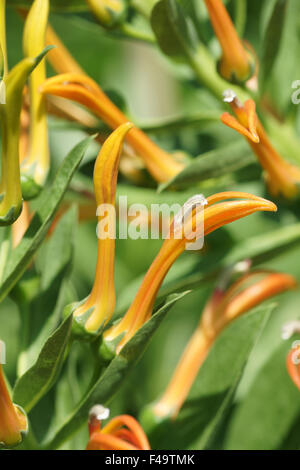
45 211
174 30
36 382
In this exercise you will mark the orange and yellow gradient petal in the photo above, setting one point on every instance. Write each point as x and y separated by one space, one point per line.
218 211
102 296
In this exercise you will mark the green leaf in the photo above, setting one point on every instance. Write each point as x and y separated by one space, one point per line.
213 164
272 40
56 5
173 29
47 205
109 383
214 387
42 314
270 409
171 124
36 382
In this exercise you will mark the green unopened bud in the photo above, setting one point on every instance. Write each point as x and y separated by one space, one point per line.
108 12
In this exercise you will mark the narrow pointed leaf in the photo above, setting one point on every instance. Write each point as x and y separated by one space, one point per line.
48 203
35 383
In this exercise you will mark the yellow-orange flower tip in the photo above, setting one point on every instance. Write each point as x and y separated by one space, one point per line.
253 289
107 165
121 433
246 124
293 363
13 420
281 176
226 211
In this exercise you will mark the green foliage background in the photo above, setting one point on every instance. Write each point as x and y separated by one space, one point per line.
258 407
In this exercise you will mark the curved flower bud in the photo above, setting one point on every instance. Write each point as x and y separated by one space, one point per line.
223 307
108 12
35 166
218 211
10 186
85 91
237 64
13 422
102 297
121 433
293 363
281 176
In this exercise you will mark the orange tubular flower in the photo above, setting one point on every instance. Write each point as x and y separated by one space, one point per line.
293 364
223 307
215 216
85 91
281 176
102 296
236 64
121 433
13 421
